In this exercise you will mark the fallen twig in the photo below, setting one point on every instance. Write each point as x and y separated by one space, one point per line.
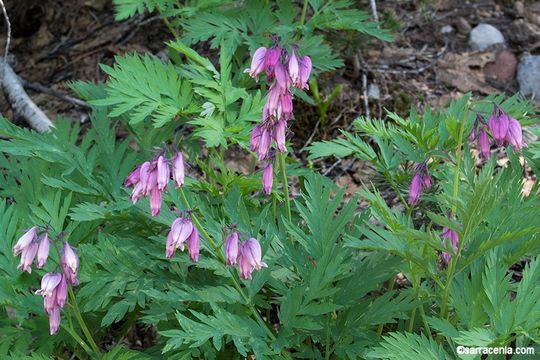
20 101
55 93
11 84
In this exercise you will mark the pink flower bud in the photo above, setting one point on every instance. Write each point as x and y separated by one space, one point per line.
279 135
267 179
257 63
415 189
50 302
282 77
178 169
264 144
294 67
245 267
49 282
305 71
449 234
61 292
498 124
27 257
231 248
43 251
70 263
144 174
170 246
483 143
25 240
163 173
133 177
137 192
286 106
151 183
155 201
193 243
273 102
255 138
251 251
54 320
271 59
514 136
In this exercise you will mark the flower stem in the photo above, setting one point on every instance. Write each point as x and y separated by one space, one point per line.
82 324
451 267
304 12
281 162
78 339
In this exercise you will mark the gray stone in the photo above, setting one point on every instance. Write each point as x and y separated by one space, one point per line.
483 36
447 29
528 76
373 91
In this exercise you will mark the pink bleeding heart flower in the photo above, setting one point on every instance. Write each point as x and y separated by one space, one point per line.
43 251
181 229
231 248
268 179
163 173
25 240
70 263
514 136
27 257
178 169
257 63
498 124
193 243
452 236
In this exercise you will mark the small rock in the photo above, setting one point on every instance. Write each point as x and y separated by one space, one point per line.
528 76
483 36
373 91
463 26
523 32
504 67
447 29
520 8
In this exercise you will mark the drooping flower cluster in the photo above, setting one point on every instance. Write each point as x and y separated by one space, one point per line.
53 284
182 230
420 181
284 71
247 255
54 292
33 242
151 178
504 130
449 235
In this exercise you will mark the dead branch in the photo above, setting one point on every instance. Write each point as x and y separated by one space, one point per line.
12 86
20 101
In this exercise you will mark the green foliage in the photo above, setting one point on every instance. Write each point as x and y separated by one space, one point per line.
141 87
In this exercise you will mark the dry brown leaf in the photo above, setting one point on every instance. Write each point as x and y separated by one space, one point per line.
465 71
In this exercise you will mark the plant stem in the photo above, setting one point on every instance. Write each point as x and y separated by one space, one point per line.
304 12
389 287
458 165
451 267
78 339
281 162
82 324
167 23
411 320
